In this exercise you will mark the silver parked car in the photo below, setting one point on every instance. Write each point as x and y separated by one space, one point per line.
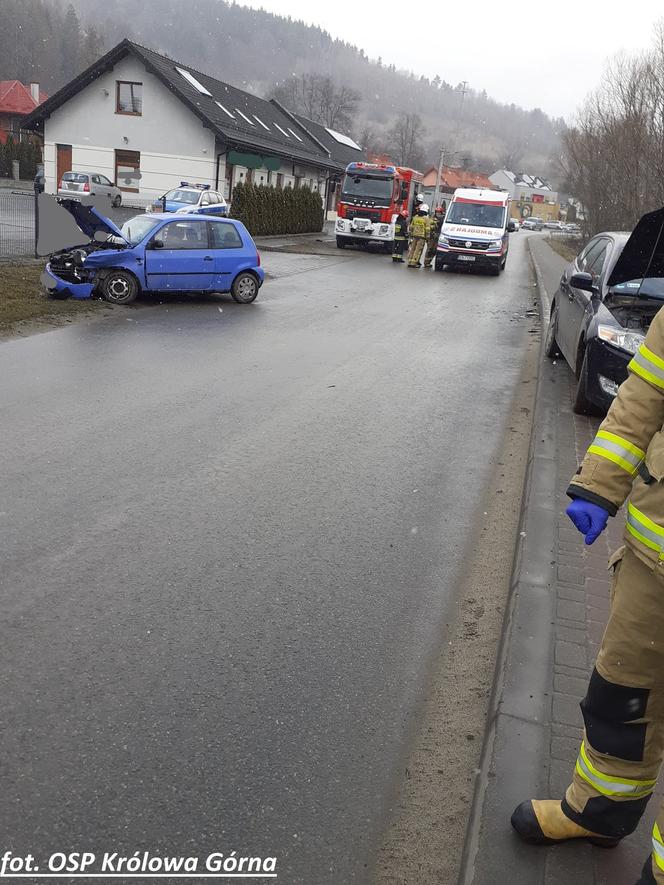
89 183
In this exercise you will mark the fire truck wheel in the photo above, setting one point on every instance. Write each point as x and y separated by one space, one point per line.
341 243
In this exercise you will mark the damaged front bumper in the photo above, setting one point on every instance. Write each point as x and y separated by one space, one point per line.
59 288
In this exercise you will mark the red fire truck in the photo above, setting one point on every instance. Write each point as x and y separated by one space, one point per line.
371 197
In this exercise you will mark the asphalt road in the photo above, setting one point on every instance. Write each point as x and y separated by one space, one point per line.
230 537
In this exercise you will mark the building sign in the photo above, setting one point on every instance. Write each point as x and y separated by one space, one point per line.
537 198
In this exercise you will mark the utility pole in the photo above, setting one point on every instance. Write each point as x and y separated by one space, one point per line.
439 177
443 150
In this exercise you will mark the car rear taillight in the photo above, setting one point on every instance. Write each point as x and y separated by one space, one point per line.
258 259
86 187
62 184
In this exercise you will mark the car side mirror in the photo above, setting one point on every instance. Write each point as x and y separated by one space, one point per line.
157 244
585 282
511 227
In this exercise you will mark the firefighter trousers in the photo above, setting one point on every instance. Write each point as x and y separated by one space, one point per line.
432 246
398 247
623 712
415 250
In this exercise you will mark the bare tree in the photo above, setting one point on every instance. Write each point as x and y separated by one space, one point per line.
405 139
319 99
614 154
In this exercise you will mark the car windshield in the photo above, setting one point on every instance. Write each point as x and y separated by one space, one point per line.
367 188
137 228
652 287
478 214
179 196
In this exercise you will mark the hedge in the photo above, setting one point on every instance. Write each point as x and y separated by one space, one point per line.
28 154
265 210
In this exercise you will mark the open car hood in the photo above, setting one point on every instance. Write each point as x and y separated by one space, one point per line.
90 220
643 254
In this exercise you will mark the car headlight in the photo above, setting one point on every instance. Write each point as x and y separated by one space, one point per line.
445 241
628 341
495 244
384 228
340 224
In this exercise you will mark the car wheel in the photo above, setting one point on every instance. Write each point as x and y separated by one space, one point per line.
341 244
495 271
438 264
503 263
245 288
120 287
581 404
117 202
551 348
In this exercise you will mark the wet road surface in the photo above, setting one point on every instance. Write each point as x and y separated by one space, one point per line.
230 536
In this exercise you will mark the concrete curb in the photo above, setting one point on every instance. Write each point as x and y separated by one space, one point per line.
520 704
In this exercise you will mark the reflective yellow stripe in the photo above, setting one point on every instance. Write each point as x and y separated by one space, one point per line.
648 365
618 450
608 785
645 530
657 847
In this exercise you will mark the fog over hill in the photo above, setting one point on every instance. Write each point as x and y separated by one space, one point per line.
263 52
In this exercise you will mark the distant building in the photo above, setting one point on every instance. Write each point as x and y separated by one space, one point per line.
452 178
531 194
147 122
16 100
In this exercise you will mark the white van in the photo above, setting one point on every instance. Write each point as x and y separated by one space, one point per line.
475 231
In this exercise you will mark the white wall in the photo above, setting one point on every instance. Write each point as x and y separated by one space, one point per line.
173 143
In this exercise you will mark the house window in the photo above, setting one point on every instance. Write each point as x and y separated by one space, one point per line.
280 179
129 98
128 170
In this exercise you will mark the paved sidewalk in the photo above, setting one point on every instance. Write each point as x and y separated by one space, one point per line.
559 609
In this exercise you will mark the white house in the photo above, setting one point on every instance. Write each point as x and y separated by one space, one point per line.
148 123
522 186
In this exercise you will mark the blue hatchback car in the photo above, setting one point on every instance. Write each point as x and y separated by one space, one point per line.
155 253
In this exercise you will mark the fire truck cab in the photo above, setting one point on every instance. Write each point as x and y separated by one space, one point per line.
372 195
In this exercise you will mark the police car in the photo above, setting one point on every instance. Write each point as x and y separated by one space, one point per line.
190 198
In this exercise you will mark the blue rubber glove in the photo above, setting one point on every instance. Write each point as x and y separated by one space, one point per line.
590 519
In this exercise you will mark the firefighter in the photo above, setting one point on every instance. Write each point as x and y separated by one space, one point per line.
623 709
400 236
436 227
417 202
419 230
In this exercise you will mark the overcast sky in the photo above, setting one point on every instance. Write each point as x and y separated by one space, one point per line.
534 54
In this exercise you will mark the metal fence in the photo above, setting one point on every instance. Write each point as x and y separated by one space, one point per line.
18 225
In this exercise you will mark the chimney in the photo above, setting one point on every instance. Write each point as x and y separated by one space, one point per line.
34 92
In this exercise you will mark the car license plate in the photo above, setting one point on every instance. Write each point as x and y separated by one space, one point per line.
466 257
361 225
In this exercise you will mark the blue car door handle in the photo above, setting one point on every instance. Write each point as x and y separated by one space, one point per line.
208 258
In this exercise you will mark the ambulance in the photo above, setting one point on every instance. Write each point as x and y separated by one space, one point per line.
476 230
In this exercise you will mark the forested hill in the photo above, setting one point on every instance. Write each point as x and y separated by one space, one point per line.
260 51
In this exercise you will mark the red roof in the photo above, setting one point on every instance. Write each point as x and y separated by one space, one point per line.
454 177
15 98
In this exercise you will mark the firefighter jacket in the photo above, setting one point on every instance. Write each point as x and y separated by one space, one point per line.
420 227
436 227
401 228
626 458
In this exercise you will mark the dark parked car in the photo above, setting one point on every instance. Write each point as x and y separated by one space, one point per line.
606 300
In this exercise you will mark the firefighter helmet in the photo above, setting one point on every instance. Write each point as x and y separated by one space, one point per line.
424 208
